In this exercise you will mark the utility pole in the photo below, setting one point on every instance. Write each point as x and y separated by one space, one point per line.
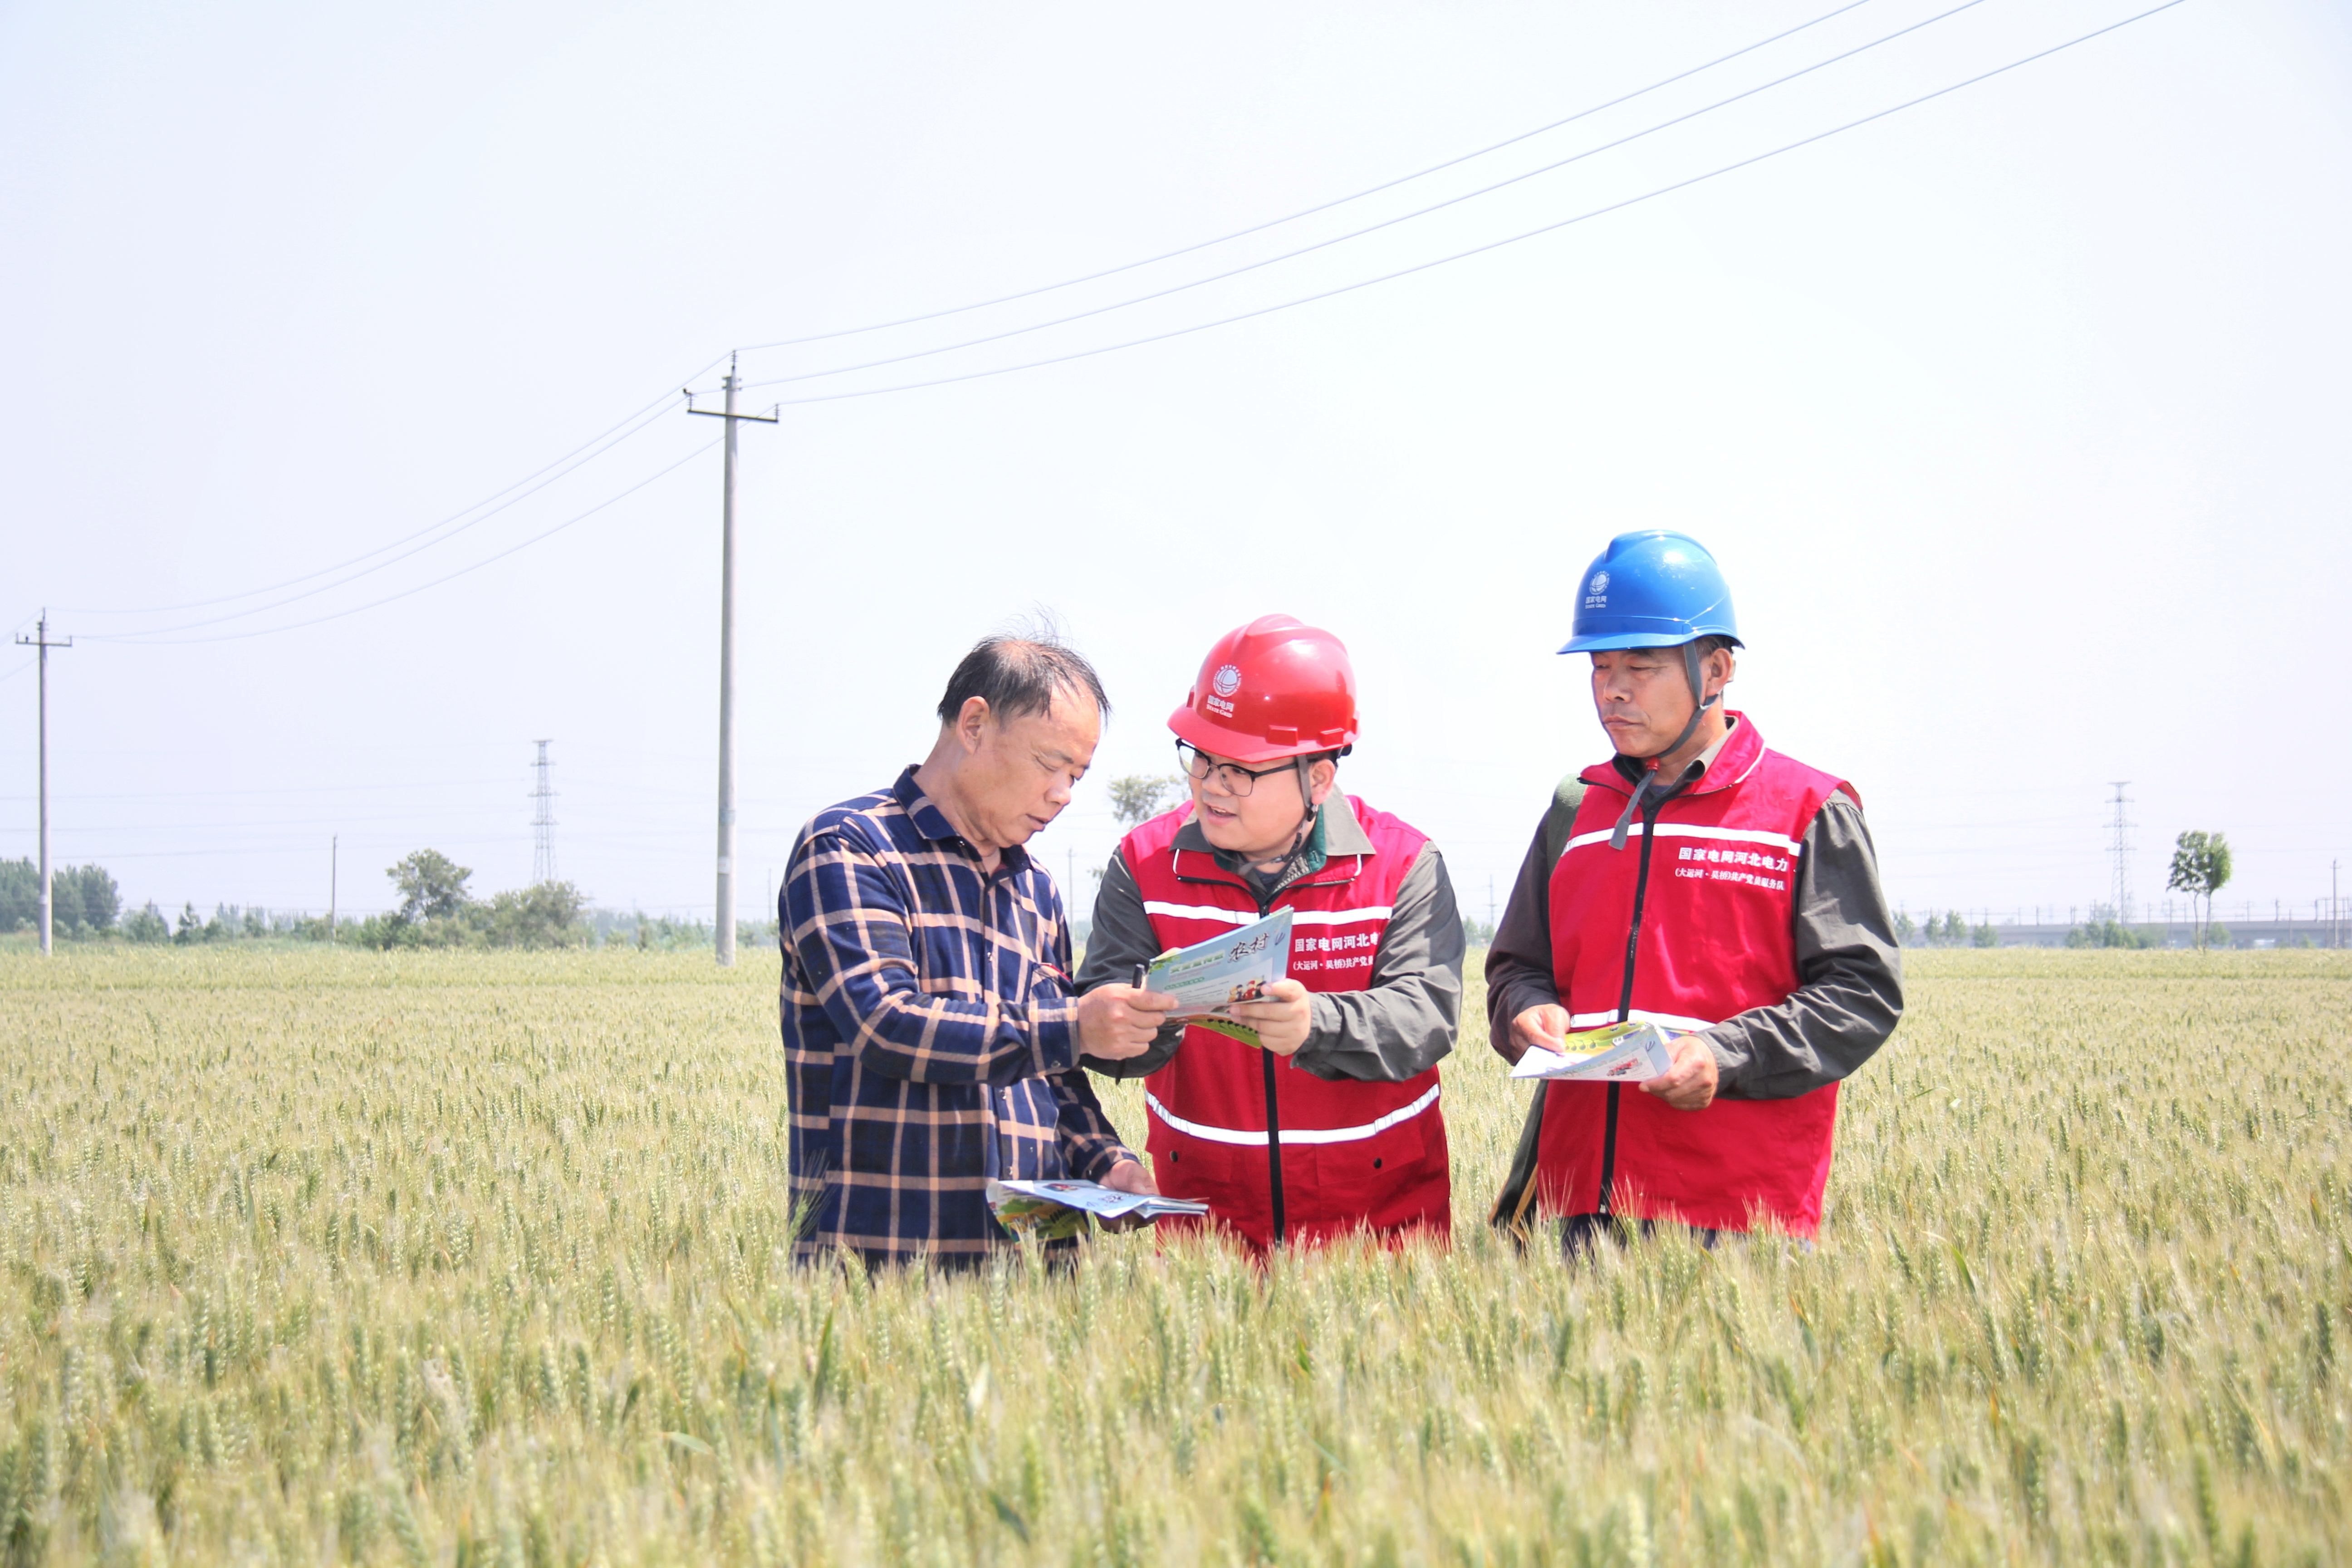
542 823
724 925
2334 904
41 640
2120 846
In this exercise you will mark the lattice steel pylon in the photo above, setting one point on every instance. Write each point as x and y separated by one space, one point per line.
2120 846
542 823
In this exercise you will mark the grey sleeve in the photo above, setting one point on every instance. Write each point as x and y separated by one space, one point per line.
1120 939
1519 961
1849 971
1407 1019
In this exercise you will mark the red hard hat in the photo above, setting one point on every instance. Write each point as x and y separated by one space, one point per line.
1274 688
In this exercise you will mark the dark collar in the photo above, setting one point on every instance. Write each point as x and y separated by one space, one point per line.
933 824
1734 761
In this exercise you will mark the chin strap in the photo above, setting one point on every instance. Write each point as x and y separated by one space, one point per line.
1307 823
1650 779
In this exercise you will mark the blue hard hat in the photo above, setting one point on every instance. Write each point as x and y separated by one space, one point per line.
1655 588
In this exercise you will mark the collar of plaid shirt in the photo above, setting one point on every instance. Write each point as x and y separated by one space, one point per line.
933 825
929 1029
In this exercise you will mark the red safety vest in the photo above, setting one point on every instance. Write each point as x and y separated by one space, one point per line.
1342 1156
1704 904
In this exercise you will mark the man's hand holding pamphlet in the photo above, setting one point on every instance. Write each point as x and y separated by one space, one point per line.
1208 977
1051 1211
1615 1053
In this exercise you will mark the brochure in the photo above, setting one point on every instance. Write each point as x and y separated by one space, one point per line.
1052 1210
1615 1053
1209 977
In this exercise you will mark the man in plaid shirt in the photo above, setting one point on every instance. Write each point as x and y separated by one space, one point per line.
929 1028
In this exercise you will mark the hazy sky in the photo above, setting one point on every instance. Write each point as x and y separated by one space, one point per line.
2018 419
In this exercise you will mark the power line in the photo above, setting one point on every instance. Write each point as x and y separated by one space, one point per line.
1491 245
1385 223
1308 212
148 640
155 636
638 419
366 571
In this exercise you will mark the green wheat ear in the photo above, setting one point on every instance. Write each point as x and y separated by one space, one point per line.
2078 1297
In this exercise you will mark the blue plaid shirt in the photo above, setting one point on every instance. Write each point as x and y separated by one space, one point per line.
930 1032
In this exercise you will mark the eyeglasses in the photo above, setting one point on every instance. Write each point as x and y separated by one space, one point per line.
1236 779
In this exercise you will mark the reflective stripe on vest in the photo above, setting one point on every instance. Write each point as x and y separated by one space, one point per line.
1242 917
1639 1015
1779 841
1249 1140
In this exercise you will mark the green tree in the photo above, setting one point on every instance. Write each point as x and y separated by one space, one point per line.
2105 930
1139 797
546 914
147 925
1956 927
65 900
1985 935
432 886
2201 868
1906 930
96 901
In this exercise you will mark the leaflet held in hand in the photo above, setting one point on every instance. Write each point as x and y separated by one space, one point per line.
1052 1210
1615 1053
1208 977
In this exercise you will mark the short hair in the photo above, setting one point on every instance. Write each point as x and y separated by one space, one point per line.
1707 645
1021 675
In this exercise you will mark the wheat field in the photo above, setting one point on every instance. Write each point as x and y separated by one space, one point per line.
319 1256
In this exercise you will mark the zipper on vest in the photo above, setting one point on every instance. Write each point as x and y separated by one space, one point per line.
1625 995
1272 1097
1273 1112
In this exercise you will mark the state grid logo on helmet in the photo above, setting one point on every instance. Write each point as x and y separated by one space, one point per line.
1596 593
1228 682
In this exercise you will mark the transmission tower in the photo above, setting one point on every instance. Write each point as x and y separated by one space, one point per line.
542 823
2120 846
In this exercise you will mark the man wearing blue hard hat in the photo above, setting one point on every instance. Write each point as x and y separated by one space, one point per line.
1699 881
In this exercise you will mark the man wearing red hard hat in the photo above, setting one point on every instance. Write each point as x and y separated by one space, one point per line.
1334 1126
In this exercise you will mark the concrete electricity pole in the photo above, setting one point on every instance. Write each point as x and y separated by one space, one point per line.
41 640
725 923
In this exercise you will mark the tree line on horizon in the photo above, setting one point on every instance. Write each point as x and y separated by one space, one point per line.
436 909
